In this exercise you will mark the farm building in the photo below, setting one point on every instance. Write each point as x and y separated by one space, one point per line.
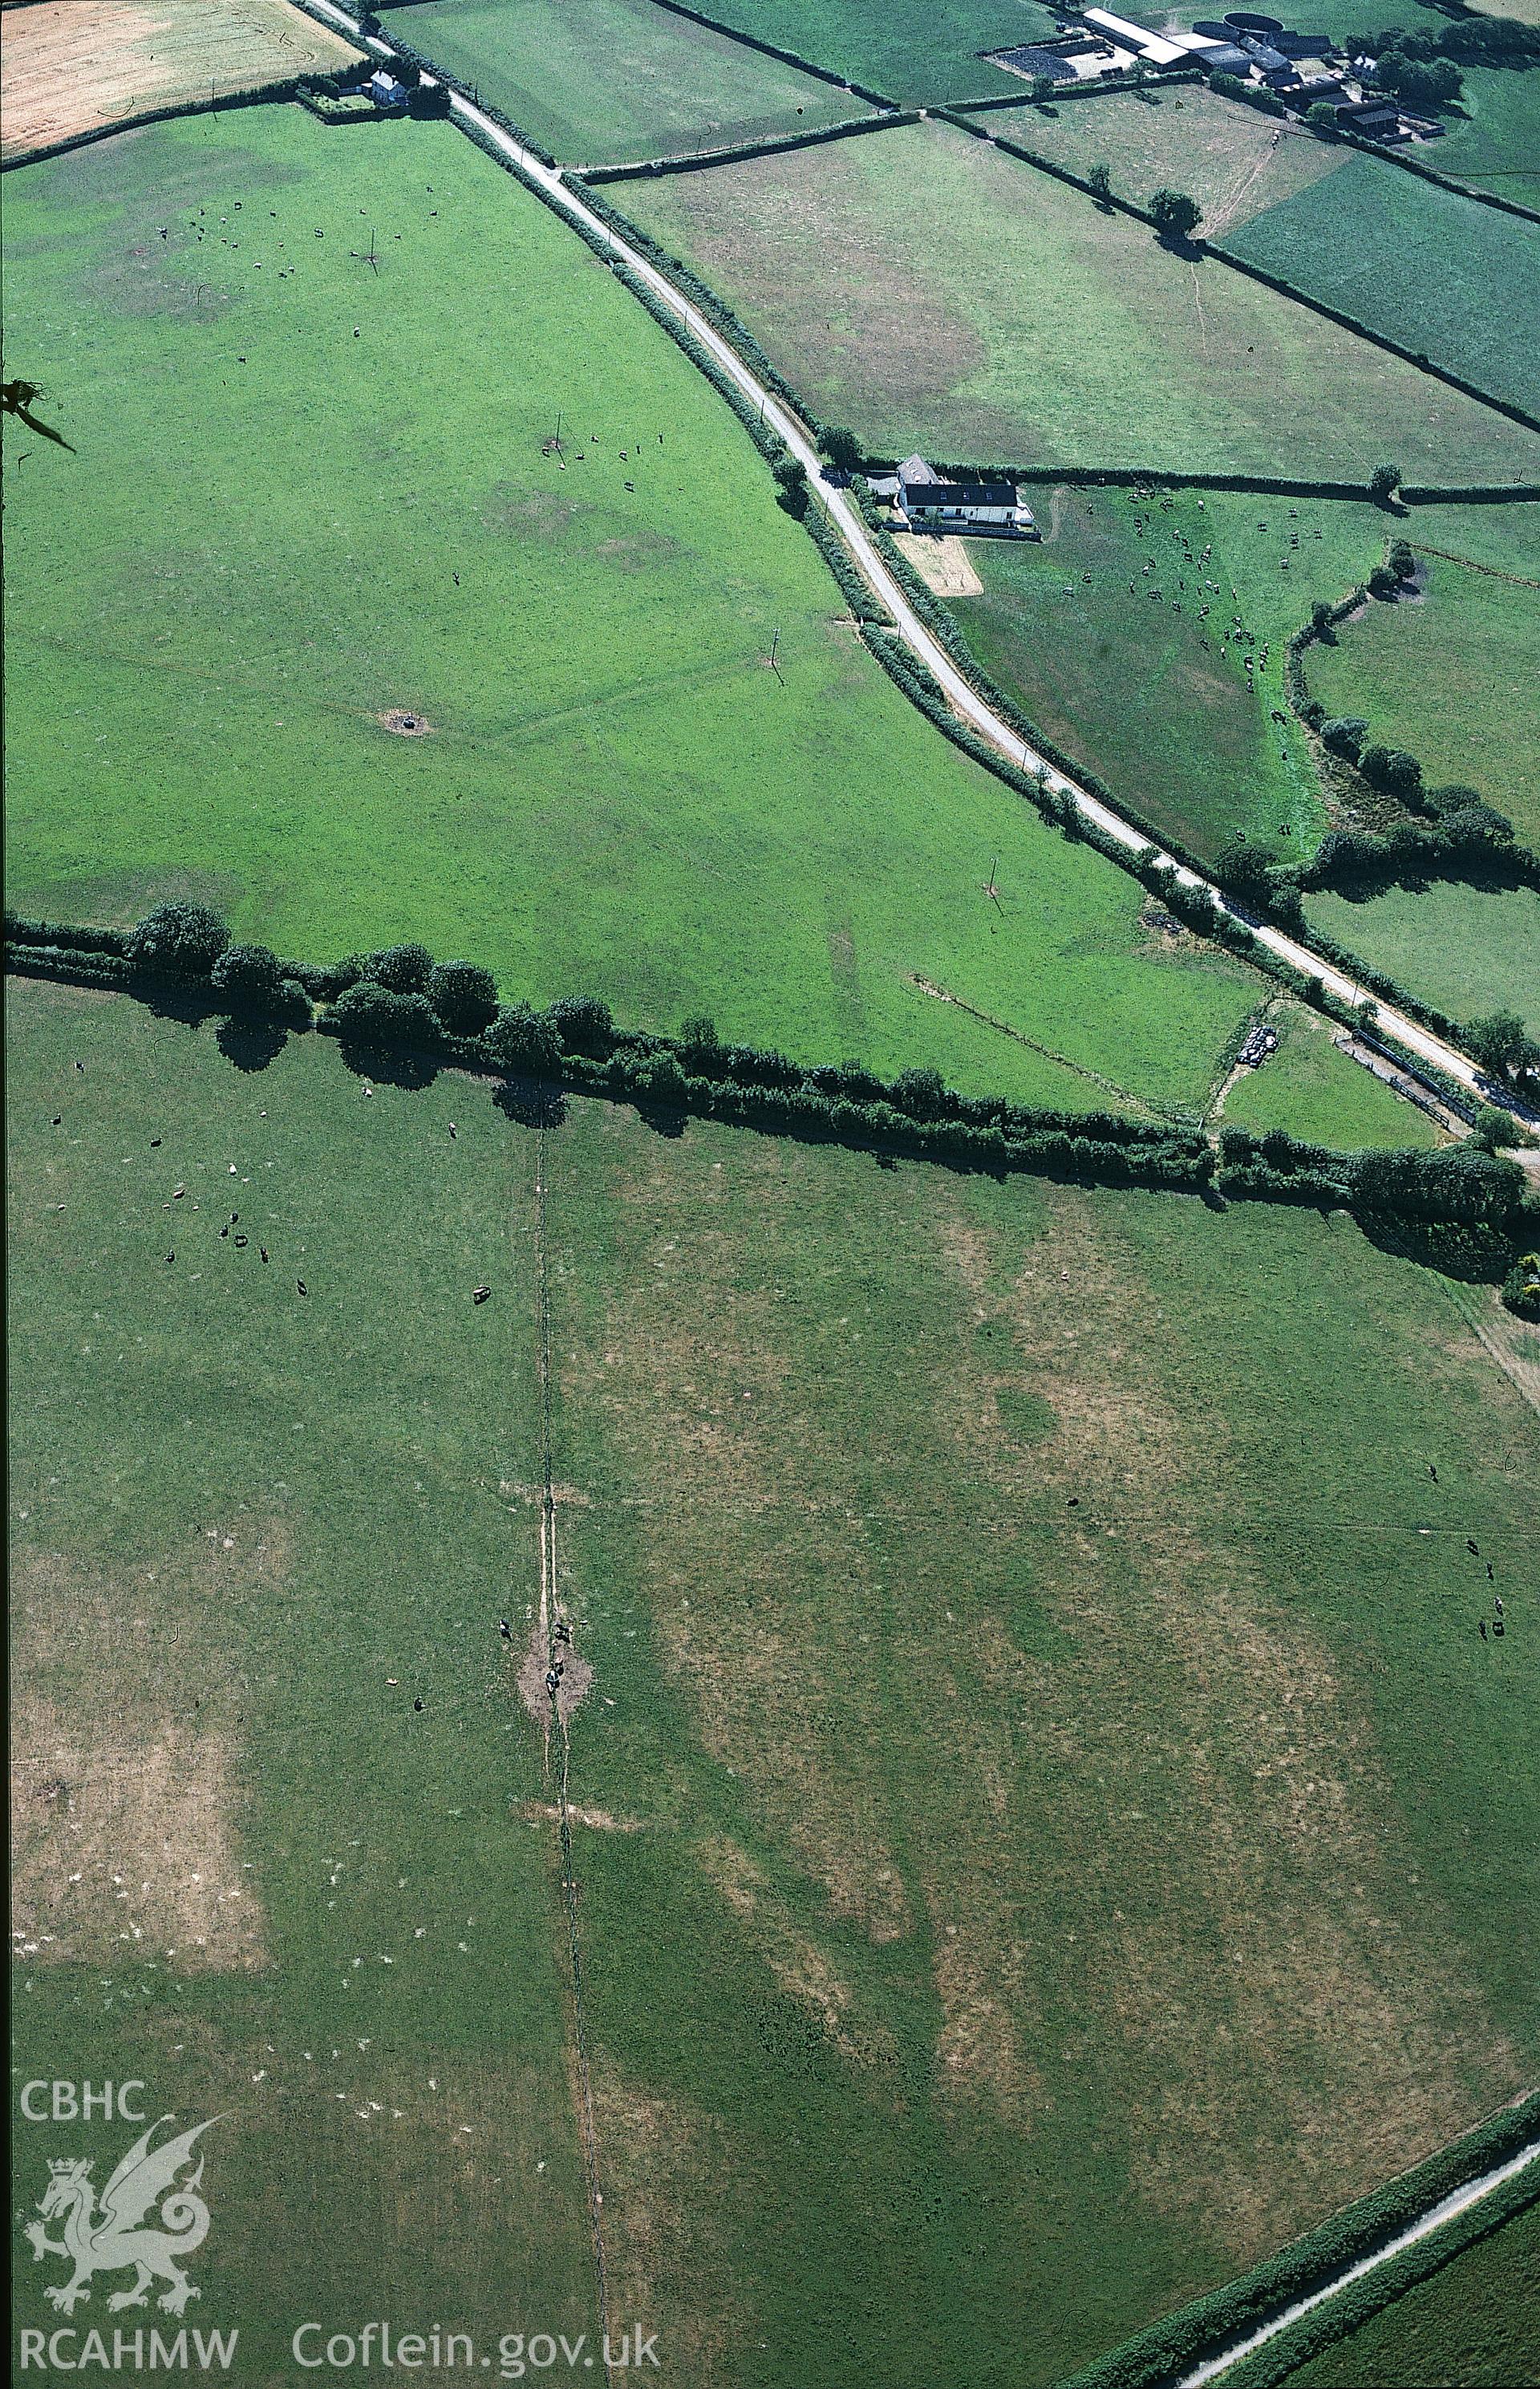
1376 120
927 501
1156 49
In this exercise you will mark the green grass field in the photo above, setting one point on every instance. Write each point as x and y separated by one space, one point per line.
1494 144
236 1565
1021 1624
303 494
1300 1089
907 49
1474 2325
1427 267
1468 950
940 296
598 82
1231 159
1098 631
1449 675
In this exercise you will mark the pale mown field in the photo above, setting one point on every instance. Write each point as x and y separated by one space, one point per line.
70 66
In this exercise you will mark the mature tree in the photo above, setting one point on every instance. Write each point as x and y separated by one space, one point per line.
1502 1044
1521 1286
1496 1128
1419 85
463 996
583 1025
1245 867
1101 181
1474 826
791 476
1176 214
1320 116
700 1044
1344 734
403 969
521 1040
1402 559
184 940
1383 482
249 973
923 1093
1393 771
372 1015
1321 614
842 447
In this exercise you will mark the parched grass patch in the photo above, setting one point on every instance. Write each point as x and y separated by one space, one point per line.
943 296
1233 160
71 66
1426 266
1450 675
279 1893
602 82
201 656
1468 950
1128 631
1021 1621
1018 1676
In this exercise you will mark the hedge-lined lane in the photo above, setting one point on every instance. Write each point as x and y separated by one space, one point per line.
846 518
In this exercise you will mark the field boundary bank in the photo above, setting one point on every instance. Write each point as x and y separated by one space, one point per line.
1154 479
1409 1199
1468 563
1174 1117
1197 246
1110 88
690 161
1210 2332
1492 858
1307 969
266 94
1417 166
771 50
548 1621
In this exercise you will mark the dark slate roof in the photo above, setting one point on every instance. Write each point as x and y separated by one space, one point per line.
962 494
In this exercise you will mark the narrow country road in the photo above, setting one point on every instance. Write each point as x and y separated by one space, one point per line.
1432 2221
844 514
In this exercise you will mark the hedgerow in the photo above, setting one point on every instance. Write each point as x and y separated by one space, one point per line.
770 50
261 95
1162 2354
399 999
699 161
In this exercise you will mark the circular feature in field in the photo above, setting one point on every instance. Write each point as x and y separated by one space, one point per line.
406 725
